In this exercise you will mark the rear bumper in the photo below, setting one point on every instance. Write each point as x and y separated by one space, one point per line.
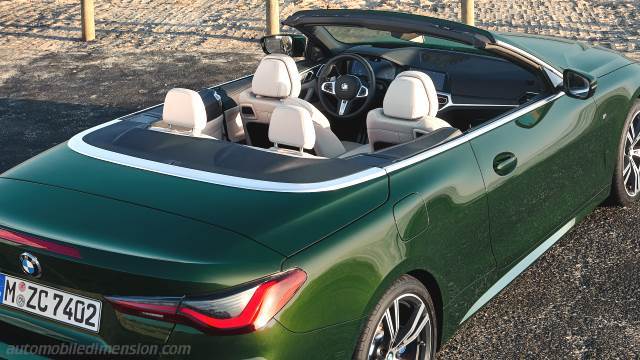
22 332
272 342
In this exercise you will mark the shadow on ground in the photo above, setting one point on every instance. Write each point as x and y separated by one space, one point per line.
58 95
28 127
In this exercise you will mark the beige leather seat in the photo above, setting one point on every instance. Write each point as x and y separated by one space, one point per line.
292 126
183 113
408 111
277 82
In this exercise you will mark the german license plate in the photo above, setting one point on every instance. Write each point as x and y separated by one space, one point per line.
50 303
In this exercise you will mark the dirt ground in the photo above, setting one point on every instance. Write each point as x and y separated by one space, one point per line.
580 301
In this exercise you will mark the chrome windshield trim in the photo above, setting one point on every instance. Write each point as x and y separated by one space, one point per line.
78 145
471 135
530 57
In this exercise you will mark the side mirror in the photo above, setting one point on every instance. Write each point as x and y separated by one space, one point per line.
578 85
293 45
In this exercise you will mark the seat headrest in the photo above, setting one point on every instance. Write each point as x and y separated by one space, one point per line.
184 108
410 96
292 126
277 76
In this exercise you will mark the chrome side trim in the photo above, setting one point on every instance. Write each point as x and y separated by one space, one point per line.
530 57
471 135
450 103
78 145
520 267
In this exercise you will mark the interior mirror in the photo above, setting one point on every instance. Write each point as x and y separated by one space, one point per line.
579 85
293 45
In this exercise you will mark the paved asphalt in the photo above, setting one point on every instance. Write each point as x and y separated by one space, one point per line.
580 301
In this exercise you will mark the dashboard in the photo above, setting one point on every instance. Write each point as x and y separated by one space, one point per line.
386 70
463 77
383 69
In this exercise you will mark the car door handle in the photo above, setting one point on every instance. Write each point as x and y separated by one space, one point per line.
504 163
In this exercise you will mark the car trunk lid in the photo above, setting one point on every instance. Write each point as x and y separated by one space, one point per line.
93 246
284 222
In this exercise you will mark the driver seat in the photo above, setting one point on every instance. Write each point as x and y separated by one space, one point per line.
275 83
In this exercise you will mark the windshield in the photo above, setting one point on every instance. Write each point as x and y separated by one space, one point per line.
354 35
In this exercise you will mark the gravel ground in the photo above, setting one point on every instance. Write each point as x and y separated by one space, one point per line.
580 301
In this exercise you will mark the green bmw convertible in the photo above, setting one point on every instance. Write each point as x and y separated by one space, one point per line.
378 180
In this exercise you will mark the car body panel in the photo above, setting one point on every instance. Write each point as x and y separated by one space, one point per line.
567 54
614 97
560 165
131 240
267 217
349 271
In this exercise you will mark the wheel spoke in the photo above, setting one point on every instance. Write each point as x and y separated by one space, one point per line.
417 332
396 321
413 323
404 331
637 180
390 325
627 172
636 177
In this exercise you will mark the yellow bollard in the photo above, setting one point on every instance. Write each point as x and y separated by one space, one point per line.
273 17
468 16
88 21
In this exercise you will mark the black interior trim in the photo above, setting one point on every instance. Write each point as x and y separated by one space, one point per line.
221 157
392 21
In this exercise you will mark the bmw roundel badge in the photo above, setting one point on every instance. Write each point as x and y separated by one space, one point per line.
30 265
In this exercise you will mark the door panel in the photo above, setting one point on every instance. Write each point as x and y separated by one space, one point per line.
538 169
453 241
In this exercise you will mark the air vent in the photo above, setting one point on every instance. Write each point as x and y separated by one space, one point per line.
443 100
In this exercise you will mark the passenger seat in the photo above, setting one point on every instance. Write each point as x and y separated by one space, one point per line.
291 130
183 113
408 111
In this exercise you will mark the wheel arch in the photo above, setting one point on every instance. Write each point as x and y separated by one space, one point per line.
427 278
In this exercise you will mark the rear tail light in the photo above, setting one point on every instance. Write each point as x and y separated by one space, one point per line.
246 309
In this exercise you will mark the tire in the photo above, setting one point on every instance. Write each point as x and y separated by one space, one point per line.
624 191
408 295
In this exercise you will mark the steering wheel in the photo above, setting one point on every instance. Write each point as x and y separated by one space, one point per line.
340 96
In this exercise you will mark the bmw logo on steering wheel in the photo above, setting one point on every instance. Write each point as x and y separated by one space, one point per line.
30 265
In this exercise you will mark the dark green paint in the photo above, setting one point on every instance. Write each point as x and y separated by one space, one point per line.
411 216
458 220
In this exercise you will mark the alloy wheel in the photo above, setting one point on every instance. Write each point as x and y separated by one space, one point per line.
404 332
631 157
